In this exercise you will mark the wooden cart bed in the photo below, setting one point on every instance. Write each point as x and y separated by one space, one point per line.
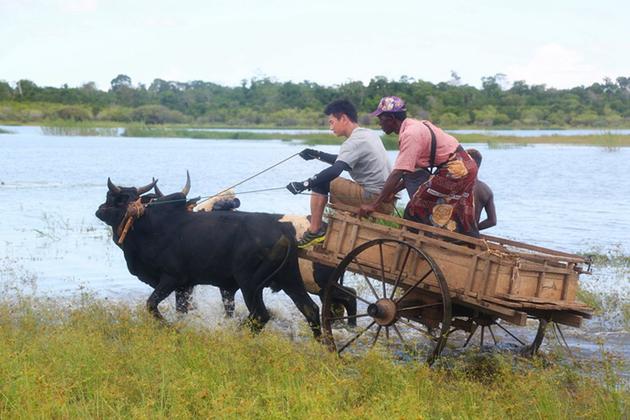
502 277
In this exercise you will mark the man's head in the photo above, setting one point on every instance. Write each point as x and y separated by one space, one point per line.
342 117
476 155
391 112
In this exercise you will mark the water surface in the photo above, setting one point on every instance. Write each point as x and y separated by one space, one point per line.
570 198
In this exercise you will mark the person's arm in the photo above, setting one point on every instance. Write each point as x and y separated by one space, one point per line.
308 154
400 186
329 173
322 177
389 189
491 214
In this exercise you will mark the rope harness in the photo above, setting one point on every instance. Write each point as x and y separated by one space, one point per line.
134 211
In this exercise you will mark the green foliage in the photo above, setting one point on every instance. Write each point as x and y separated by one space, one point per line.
265 102
94 359
116 113
157 114
74 113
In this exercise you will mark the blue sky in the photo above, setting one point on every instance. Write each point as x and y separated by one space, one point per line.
558 43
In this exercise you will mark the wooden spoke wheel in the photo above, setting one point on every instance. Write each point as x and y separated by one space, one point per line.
485 331
402 298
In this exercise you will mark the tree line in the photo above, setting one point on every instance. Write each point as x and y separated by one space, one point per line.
266 102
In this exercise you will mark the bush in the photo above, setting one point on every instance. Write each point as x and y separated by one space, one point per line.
157 114
116 113
74 113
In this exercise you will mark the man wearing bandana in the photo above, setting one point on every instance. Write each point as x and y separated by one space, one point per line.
434 168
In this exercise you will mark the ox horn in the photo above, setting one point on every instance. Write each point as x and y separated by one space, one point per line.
113 188
157 190
186 189
146 188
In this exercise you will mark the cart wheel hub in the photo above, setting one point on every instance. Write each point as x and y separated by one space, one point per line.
383 311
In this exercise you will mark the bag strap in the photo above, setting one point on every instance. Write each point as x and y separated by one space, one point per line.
432 169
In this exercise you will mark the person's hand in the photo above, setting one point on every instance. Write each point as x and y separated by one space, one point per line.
308 154
297 187
366 209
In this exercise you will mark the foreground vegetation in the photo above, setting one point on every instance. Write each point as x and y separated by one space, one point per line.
266 102
105 360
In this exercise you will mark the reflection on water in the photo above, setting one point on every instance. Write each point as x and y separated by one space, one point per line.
573 199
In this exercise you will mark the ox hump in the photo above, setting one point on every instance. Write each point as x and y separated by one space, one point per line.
300 223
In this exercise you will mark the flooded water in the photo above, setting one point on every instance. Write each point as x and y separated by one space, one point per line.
570 198
515 133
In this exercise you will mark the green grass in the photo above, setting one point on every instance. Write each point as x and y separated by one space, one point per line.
84 131
107 128
101 360
391 142
604 140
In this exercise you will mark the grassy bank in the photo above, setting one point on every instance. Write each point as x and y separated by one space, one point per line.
105 360
57 128
391 141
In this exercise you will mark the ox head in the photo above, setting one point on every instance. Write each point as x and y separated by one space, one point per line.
118 200
185 190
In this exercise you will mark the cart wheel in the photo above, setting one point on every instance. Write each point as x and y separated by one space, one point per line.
404 306
485 330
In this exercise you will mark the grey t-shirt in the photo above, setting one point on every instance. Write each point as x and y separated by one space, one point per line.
365 154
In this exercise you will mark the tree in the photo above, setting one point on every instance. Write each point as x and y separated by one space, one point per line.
455 79
121 81
6 92
27 90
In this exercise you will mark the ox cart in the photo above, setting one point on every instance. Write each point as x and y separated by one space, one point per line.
421 289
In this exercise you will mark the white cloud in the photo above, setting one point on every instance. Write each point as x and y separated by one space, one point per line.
556 66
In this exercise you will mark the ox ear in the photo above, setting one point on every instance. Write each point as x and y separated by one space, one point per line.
113 188
148 187
157 190
186 188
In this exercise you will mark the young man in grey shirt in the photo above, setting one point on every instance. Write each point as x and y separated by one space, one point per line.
362 154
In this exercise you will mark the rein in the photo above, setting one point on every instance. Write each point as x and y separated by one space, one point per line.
134 211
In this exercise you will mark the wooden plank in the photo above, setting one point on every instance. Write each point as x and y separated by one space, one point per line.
565 284
414 225
564 255
541 279
554 259
486 277
471 272
354 233
532 302
513 278
430 245
548 269
341 237
508 314
564 318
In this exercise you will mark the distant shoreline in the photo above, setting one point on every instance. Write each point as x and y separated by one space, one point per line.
319 136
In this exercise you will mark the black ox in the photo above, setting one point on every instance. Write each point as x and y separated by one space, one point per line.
172 249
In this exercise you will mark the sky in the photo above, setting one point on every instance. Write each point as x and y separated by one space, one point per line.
559 43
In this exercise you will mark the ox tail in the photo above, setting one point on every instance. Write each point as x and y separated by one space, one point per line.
283 242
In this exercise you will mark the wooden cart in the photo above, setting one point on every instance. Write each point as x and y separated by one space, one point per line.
418 286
